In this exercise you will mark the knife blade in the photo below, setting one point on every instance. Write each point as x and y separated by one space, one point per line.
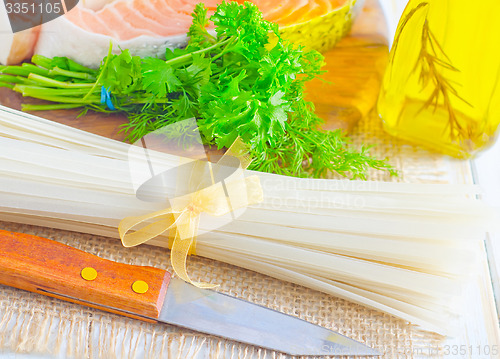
150 294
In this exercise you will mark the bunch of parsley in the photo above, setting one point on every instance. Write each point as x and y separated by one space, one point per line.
236 83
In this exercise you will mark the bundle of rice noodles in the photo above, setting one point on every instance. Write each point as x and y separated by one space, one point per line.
405 249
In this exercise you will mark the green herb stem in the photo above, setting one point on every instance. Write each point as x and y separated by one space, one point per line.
35 91
4 84
16 70
58 106
15 80
97 82
41 61
50 64
75 66
55 83
222 53
183 59
77 75
35 69
64 99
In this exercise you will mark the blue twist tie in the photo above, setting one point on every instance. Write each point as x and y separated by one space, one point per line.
106 98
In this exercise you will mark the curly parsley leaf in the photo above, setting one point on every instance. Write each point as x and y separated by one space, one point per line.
199 37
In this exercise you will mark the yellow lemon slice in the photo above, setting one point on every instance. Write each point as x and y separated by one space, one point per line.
316 24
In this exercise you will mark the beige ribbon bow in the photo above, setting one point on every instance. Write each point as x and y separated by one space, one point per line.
218 199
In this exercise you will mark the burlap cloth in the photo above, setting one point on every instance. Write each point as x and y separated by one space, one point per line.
36 324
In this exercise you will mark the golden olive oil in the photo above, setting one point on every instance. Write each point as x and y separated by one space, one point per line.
441 88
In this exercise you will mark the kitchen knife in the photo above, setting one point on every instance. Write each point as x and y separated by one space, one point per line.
54 269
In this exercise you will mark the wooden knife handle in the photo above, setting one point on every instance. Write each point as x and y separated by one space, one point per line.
51 268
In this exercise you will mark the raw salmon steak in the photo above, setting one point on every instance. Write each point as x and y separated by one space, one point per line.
148 27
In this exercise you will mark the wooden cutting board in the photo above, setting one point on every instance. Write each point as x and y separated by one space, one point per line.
342 96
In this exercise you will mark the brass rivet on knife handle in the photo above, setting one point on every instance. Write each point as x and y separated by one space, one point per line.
88 273
140 287
44 266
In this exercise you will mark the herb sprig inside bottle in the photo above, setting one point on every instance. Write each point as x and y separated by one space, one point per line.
243 81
